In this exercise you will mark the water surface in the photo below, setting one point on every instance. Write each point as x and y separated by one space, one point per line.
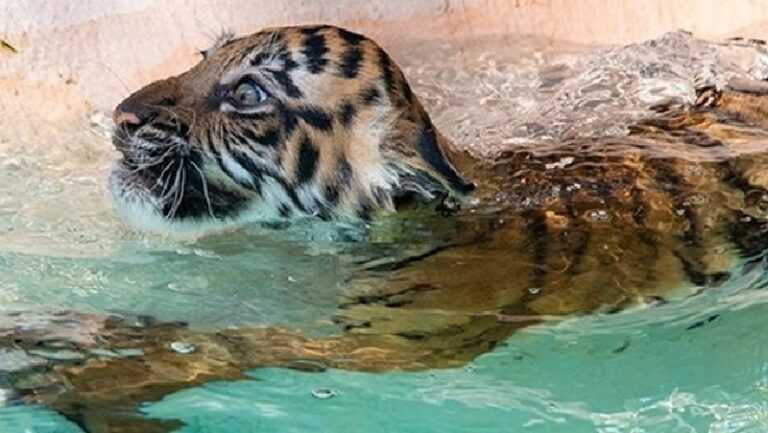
697 364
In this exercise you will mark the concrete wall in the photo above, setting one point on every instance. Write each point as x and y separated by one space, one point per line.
85 55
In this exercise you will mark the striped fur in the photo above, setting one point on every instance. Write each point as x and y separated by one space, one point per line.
337 136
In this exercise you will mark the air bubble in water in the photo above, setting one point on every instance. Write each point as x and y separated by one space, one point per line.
323 393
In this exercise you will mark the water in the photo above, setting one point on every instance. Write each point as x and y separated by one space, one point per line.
573 378
698 364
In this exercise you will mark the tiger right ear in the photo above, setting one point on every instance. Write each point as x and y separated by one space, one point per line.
428 154
435 149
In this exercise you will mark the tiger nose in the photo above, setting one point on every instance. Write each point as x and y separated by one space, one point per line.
146 104
131 114
123 118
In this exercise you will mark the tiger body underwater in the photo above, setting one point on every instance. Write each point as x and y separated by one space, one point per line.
318 122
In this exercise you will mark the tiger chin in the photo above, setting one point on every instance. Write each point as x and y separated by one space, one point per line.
286 123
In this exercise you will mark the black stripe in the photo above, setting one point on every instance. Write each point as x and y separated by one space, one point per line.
268 138
430 151
259 58
288 121
316 117
290 190
217 156
307 163
341 182
197 193
365 209
253 116
370 95
350 37
288 63
345 172
699 139
391 300
408 92
248 165
381 197
161 128
315 49
225 169
286 82
387 75
241 139
311 30
639 207
275 37
347 114
538 239
284 210
332 194
351 61
580 248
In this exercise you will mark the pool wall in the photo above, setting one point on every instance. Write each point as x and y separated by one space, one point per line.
87 55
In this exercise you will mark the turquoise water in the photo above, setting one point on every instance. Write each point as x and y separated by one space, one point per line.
698 364
667 379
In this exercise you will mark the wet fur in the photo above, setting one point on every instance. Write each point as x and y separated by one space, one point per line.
340 138
584 226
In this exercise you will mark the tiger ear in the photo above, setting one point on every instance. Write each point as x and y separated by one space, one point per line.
435 149
430 159
416 142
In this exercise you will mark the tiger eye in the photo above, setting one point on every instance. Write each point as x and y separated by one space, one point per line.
248 95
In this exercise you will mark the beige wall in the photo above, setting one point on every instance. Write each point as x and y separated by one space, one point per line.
86 54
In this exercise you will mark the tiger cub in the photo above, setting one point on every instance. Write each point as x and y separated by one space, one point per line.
319 122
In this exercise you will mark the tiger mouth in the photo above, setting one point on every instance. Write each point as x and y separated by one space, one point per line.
156 185
132 178
128 170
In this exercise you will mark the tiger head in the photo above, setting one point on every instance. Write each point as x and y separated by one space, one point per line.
287 122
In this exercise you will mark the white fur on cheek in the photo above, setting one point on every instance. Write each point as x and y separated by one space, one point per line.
135 206
236 169
141 210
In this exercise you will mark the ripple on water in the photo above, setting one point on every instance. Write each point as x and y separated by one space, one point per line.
667 368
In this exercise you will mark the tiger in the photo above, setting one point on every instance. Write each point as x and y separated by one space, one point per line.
297 122
320 123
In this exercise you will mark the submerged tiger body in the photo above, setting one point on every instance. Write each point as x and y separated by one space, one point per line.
320 122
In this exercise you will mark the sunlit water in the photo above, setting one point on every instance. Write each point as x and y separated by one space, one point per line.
694 365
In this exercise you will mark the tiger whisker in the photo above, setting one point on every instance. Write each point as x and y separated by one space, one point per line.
153 162
180 197
168 187
205 188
